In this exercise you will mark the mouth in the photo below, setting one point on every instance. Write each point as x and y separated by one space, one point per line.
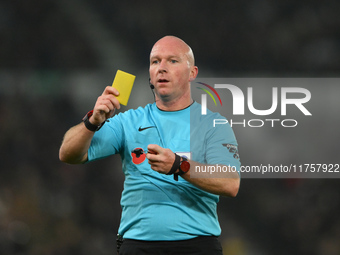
162 81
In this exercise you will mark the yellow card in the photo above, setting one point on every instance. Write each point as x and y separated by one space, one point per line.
123 82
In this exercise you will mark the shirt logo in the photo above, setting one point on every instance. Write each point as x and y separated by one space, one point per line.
138 156
232 149
141 129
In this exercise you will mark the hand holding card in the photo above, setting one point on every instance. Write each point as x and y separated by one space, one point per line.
123 82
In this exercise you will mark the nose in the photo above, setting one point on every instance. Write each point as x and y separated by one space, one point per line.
162 68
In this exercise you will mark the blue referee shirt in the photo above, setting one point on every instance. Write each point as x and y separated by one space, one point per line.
154 205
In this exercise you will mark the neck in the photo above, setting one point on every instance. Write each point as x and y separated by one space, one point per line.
173 105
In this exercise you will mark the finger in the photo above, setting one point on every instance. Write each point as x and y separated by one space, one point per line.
111 93
111 90
152 163
116 103
111 102
151 152
152 158
154 148
108 103
154 167
103 107
158 167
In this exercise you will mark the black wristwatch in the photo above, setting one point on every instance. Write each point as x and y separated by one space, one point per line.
89 125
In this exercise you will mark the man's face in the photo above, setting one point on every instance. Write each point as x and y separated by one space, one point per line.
170 68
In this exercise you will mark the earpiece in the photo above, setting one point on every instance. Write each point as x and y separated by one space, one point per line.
151 86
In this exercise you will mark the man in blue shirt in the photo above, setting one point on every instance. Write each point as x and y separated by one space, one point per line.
168 204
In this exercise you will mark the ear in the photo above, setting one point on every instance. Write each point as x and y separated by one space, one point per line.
193 73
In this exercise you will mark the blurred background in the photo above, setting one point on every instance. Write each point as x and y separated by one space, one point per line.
56 57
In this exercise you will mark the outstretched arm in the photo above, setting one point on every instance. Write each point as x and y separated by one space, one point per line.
77 139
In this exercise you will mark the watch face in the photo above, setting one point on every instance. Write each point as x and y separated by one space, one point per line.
185 166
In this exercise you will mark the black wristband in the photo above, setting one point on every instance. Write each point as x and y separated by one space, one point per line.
175 165
89 125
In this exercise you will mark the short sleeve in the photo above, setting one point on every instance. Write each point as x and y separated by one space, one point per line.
108 140
222 147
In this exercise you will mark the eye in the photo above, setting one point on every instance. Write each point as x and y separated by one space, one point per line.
173 61
154 61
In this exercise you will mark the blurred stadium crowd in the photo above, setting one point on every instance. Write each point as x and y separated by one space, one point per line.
50 208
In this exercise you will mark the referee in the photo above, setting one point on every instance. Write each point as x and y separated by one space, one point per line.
167 208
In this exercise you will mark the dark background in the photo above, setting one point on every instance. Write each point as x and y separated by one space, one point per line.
56 57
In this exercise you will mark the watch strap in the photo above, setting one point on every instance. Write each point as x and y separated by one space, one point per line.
175 165
89 125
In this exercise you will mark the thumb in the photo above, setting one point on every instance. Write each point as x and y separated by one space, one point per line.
154 149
